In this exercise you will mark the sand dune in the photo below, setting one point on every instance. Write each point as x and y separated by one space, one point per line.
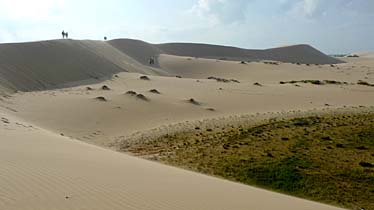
42 170
60 63
261 72
46 165
296 53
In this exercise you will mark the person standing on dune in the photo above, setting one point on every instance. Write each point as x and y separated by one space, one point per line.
67 35
63 34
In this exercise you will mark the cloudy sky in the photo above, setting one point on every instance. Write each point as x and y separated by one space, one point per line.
334 26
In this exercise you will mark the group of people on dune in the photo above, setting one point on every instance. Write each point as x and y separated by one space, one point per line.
65 35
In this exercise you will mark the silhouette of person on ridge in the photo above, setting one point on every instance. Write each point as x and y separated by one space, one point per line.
65 35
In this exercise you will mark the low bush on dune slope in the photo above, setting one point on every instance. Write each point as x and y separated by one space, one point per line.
326 158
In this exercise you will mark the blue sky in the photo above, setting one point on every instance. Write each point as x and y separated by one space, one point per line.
334 26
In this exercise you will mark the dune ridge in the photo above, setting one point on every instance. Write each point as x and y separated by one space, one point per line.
302 53
61 63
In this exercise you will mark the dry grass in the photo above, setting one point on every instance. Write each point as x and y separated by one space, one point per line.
144 78
328 158
105 87
155 91
101 98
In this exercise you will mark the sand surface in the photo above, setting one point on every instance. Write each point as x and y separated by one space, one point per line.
46 163
41 170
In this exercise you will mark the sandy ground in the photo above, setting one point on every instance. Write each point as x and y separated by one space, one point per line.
42 170
45 163
75 112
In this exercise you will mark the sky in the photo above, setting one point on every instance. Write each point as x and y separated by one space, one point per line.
333 26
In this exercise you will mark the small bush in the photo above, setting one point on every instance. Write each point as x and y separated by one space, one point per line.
155 91
131 92
361 82
101 98
144 78
142 97
193 101
104 87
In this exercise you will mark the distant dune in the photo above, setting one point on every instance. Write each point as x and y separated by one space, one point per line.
291 54
59 63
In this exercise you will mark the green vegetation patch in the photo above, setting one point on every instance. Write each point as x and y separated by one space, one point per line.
327 158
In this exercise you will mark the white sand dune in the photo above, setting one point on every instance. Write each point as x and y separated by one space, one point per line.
60 63
40 170
141 51
47 166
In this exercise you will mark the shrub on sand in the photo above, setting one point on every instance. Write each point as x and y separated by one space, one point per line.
131 92
193 101
101 98
155 91
104 87
144 78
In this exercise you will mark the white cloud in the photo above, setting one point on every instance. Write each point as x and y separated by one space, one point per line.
30 10
310 7
306 8
221 11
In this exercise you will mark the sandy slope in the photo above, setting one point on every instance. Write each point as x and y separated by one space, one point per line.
42 164
76 113
60 63
40 170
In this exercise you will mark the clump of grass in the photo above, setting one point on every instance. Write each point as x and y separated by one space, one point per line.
101 98
234 80
361 82
131 92
142 97
315 82
271 62
223 79
193 101
155 91
144 78
105 87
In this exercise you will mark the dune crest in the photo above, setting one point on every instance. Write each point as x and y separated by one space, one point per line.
62 63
